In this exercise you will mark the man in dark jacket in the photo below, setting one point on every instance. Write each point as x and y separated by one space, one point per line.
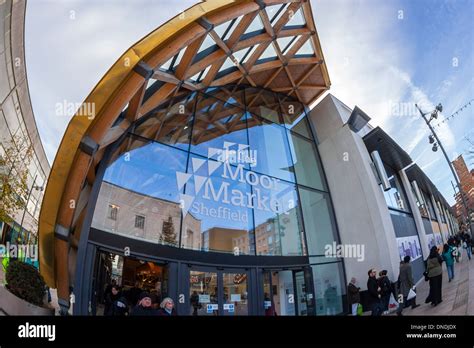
353 296
385 289
374 293
144 308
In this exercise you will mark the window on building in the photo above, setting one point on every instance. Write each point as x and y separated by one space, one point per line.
429 205
113 211
441 212
421 205
395 197
140 222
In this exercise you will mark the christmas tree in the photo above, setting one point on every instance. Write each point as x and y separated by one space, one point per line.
168 236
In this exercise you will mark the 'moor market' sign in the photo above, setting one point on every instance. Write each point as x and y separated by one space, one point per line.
218 188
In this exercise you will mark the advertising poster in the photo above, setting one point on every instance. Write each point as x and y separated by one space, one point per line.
409 246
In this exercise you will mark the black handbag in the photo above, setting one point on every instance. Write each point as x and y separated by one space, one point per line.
425 273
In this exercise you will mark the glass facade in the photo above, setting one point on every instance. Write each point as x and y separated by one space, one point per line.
213 172
15 137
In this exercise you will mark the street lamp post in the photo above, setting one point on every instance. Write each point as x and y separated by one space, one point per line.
433 115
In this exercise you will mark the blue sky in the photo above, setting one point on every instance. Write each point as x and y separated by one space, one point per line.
382 56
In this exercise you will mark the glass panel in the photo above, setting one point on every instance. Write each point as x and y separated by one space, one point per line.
306 162
203 293
217 206
297 19
142 180
300 286
268 53
275 12
249 53
262 103
166 66
283 293
283 42
278 224
329 287
318 221
255 26
291 110
4 84
170 125
271 145
302 127
10 115
233 94
268 304
208 42
306 49
395 197
235 294
178 59
217 124
228 63
240 54
225 30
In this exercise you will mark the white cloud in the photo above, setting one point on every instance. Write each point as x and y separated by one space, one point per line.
70 45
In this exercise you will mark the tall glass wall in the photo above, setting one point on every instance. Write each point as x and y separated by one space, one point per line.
231 169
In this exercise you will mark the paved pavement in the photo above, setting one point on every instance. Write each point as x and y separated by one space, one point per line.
457 295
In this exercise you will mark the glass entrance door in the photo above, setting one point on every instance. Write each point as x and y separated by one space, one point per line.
288 292
218 292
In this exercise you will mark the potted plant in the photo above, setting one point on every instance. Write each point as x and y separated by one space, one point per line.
24 281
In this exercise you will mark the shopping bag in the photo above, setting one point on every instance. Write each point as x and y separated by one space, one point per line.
360 310
411 294
392 304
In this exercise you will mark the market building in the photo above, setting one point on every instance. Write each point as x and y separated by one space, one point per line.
205 176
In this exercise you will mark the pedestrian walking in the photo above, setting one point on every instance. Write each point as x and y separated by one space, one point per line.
435 275
374 293
385 289
353 295
468 246
448 257
407 282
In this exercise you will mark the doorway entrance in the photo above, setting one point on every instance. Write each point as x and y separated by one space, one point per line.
218 292
288 292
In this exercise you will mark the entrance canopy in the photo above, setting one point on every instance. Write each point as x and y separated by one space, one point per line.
270 44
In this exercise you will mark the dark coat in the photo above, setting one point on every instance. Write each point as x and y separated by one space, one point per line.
406 279
109 302
372 287
353 294
163 313
143 311
385 286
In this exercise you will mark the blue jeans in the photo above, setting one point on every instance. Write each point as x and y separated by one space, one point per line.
377 308
469 252
450 271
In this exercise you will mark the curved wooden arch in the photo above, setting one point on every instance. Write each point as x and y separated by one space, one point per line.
124 91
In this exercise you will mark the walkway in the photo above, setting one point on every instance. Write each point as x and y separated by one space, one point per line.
457 298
